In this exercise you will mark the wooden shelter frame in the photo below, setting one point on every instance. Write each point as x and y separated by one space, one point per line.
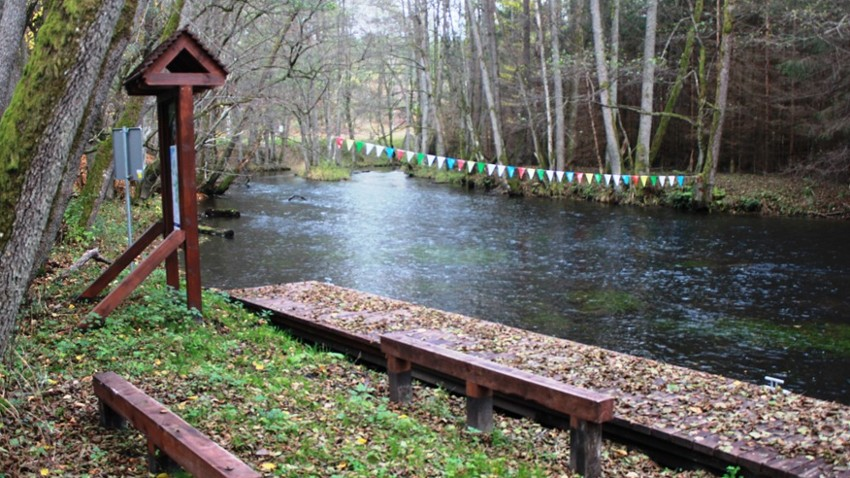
177 69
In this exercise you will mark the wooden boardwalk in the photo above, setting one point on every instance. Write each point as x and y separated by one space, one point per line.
668 410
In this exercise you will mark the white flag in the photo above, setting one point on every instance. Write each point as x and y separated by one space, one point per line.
501 168
490 168
369 148
607 179
550 174
410 155
431 159
470 165
378 150
440 161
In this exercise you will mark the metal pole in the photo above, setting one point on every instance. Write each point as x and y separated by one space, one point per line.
127 190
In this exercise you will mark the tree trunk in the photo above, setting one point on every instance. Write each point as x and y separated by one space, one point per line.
37 133
488 91
720 100
612 150
647 86
576 30
684 62
558 83
544 77
13 21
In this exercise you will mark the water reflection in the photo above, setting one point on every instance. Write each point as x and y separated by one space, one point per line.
741 296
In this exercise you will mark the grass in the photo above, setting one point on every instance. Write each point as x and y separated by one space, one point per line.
328 171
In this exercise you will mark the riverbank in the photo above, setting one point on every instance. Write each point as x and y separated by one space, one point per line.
768 195
285 408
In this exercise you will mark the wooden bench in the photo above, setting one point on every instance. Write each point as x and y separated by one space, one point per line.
587 409
170 439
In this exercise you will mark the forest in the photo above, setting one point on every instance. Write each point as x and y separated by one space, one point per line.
616 86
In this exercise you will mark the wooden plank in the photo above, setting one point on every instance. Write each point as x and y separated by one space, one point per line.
129 284
122 262
188 197
184 444
577 402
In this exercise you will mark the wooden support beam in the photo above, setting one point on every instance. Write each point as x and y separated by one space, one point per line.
165 119
188 197
122 262
400 377
169 437
586 448
479 407
129 284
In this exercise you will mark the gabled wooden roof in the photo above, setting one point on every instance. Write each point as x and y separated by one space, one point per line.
180 60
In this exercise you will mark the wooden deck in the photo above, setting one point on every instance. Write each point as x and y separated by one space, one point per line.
667 410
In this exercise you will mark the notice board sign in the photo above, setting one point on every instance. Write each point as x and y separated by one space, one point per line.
128 153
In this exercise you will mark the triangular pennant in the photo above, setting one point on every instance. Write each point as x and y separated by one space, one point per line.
501 170
653 180
530 172
511 170
440 161
431 159
680 180
481 167
662 180
570 175
470 165
369 148
390 152
616 178
643 180
521 172
560 175
359 146
399 154
589 178
450 163
460 164
540 174
579 177
627 179
635 180
671 180
550 174
348 144
420 158
598 178
607 179
490 168
339 141
410 155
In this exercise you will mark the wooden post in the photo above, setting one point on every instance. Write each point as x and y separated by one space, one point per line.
401 389
586 448
159 461
479 407
109 418
188 198
165 120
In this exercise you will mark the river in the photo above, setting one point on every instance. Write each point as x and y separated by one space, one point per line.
744 297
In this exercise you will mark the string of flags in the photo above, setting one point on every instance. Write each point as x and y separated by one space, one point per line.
504 171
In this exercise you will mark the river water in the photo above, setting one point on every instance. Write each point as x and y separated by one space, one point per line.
744 297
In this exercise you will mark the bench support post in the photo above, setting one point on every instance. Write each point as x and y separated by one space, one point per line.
479 407
159 462
109 418
586 448
401 388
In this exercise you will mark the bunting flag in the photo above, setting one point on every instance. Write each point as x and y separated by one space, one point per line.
482 167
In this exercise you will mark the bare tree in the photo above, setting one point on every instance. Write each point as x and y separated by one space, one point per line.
611 144
647 86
